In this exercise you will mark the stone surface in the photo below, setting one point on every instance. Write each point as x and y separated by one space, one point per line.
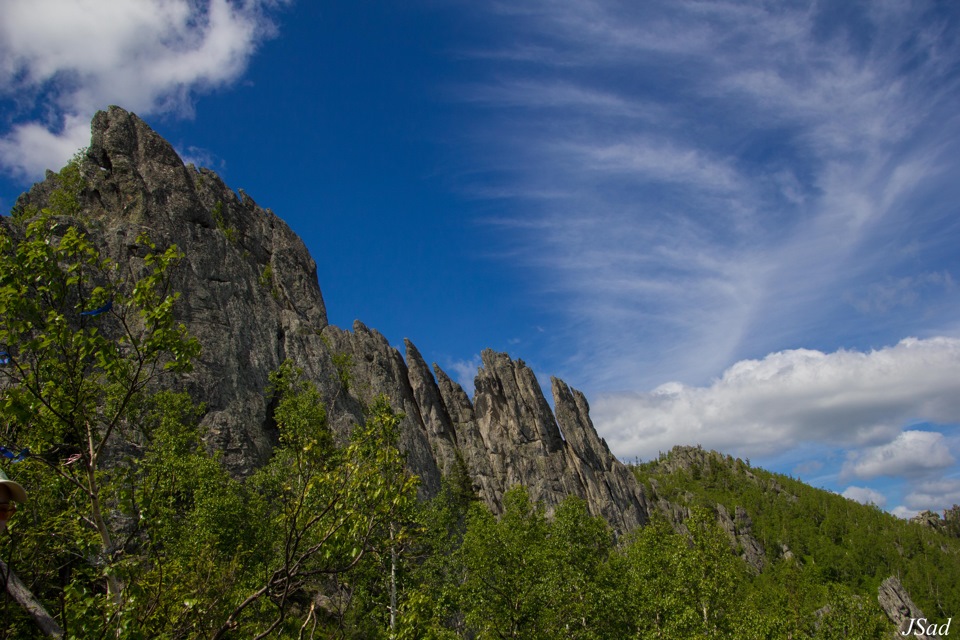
896 602
433 412
609 486
376 368
740 531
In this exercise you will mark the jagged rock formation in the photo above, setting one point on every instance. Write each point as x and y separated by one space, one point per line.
949 524
896 602
250 295
510 435
248 283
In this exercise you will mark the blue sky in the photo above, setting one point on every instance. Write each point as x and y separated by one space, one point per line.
728 223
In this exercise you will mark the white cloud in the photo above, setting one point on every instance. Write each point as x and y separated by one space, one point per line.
935 495
902 511
865 495
760 407
32 148
911 453
77 56
650 159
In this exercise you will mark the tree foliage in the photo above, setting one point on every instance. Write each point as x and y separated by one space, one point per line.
325 508
83 340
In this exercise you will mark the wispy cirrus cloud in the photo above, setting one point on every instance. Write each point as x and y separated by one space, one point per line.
748 199
61 60
695 183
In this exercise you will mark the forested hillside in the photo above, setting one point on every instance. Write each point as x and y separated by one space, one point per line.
831 540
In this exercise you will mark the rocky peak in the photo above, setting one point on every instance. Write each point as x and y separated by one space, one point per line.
512 406
248 285
250 295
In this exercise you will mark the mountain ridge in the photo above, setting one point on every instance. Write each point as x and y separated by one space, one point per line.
250 295
794 524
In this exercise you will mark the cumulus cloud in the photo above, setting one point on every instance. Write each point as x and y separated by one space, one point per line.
31 148
934 494
761 407
910 453
865 495
902 511
65 59
929 495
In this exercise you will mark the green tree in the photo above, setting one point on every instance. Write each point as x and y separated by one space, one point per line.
583 602
197 528
684 584
325 508
430 606
850 616
83 341
505 564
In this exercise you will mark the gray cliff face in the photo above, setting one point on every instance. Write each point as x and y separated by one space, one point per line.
375 368
740 531
514 438
607 483
250 295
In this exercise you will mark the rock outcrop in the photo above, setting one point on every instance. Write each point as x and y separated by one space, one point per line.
703 463
250 295
740 531
896 602
512 437
949 524
247 282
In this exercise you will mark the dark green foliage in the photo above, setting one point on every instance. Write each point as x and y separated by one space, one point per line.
684 585
221 222
266 281
343 362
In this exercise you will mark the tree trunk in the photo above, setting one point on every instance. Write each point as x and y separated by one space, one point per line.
25 599
393 585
